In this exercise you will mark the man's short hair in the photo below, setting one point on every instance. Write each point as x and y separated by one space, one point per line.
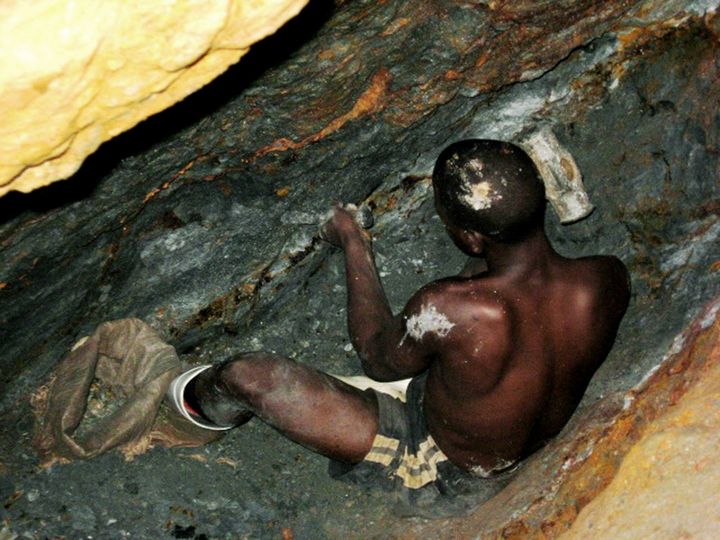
491 187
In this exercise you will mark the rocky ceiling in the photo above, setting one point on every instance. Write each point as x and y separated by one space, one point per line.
77 73
203 222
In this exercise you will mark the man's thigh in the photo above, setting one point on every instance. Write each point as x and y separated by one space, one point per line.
308 406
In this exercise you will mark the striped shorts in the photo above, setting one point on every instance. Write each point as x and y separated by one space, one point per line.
404 455
405 460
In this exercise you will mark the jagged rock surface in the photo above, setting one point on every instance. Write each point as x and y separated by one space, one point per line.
666 486
77 73
207 230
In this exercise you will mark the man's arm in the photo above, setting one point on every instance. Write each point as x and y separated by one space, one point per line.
375 333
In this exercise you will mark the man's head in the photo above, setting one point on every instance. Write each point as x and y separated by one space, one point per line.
488 187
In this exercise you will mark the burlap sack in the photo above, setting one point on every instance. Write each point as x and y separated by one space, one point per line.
107 393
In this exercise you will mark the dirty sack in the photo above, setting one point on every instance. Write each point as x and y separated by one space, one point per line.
107 392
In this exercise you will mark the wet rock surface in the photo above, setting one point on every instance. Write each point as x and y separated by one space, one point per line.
203 222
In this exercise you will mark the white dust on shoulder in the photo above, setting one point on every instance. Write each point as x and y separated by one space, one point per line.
429 320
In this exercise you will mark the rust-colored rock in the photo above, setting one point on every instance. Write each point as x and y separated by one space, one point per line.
667 485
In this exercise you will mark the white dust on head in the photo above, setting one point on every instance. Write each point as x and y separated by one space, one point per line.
476 167
477 195
428 321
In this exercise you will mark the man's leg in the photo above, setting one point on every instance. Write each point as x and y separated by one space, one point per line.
307 406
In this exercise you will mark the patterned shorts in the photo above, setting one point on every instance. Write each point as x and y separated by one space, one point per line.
404 459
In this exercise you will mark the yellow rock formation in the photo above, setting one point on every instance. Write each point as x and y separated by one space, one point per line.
75 73
667 485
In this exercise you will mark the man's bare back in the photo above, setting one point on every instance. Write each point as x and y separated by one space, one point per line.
500 386
504 351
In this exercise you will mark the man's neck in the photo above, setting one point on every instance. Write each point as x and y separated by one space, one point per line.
519 259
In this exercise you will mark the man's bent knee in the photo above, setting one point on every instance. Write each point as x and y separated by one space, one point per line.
249 376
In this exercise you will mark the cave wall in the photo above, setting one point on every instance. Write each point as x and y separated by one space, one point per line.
192 229
204 221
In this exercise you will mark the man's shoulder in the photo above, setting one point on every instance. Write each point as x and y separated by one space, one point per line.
464 301
448 289
597 286
606 262
468 326
602 272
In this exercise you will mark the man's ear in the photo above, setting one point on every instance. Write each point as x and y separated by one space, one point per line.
473 241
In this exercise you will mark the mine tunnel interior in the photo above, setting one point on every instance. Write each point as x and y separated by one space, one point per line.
197 224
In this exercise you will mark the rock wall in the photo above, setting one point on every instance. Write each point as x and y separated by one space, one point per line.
77 73
204 222
666 486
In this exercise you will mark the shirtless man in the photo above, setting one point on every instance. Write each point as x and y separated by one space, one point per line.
500 355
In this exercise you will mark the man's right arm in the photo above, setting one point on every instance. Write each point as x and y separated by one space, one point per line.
375 333
398 350
379 337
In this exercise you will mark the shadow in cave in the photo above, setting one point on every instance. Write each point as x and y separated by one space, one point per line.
263 56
